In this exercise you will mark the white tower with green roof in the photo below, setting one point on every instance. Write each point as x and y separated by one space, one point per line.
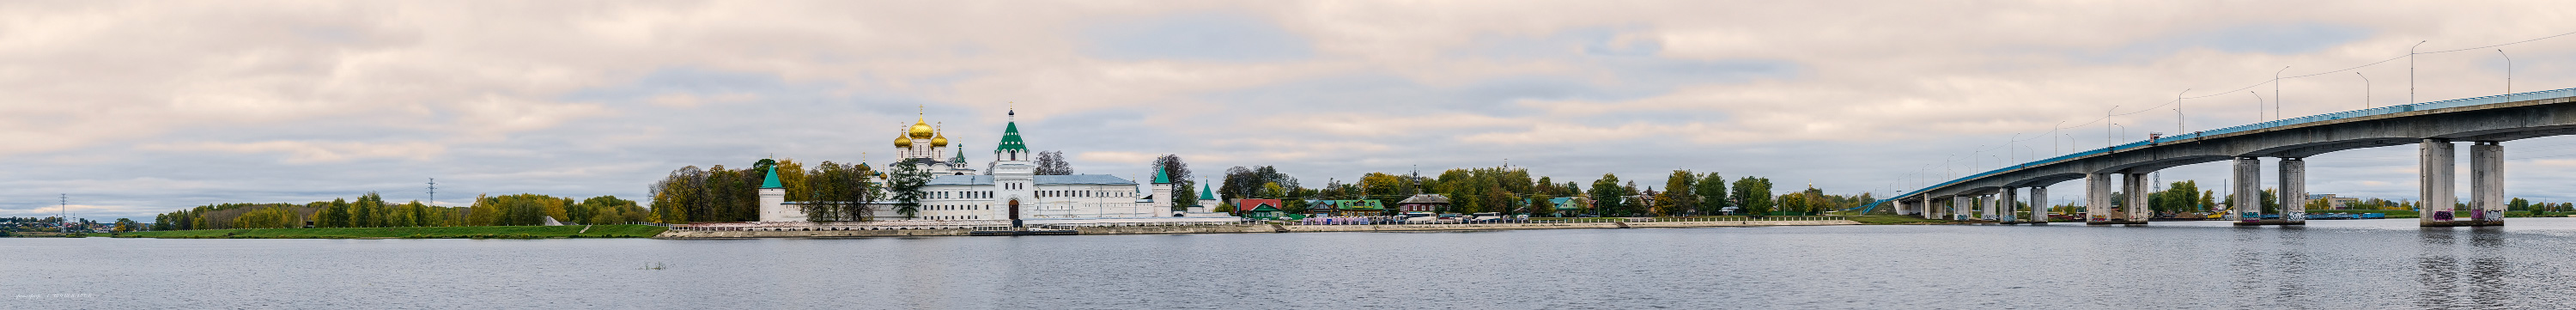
773 200
1014 177
1162 195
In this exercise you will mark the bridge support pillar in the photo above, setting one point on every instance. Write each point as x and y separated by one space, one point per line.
2486 183
1986 207
2039 205
2247 182
2294 191
1923 208
2008 206
2136 209
2434 172
1959 207
2097 198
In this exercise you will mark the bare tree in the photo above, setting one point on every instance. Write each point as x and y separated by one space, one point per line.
1179 173
1052 163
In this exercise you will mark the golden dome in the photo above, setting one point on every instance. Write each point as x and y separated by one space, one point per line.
902 141
921 130
939 141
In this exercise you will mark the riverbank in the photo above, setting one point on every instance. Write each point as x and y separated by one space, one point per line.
466 232
1230 229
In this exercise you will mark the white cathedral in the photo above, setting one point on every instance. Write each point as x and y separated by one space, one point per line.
1012 190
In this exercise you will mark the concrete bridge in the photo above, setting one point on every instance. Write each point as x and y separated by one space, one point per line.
2435 128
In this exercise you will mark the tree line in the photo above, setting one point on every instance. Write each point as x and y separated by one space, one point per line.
829 191
371 210
1512 190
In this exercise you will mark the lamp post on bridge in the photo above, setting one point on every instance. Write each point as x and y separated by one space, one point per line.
2106 129
2508 75
2052 130
2410 71
2178 110
2365 90
2258 106
2008 148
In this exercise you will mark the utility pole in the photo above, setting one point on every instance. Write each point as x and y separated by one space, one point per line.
433 192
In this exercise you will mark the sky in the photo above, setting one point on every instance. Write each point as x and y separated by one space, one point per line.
132 108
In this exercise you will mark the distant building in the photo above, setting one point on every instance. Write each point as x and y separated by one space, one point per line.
1566 206
1260 208
1010 192
1424 203
2333 202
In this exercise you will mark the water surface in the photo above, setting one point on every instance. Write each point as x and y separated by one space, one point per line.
2361 264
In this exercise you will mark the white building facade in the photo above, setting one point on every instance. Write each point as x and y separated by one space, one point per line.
1011 190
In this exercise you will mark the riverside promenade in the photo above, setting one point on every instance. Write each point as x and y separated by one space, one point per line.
822 231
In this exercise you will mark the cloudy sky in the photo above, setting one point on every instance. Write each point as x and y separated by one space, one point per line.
135 108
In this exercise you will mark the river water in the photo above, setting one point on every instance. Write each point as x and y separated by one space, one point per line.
2357 264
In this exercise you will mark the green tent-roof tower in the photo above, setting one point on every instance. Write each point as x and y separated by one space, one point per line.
772 180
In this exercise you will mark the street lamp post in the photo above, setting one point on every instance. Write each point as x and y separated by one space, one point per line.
2052 130
2008 148
2508 75
2365 90
2178 110
2258 106
2410 71
2106 129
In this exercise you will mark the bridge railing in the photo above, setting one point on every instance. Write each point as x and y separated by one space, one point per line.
2444 104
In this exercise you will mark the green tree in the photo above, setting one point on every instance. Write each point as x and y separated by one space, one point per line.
1711 189
1678 196
1793 202
1607 195
906 185
270 217
1753 195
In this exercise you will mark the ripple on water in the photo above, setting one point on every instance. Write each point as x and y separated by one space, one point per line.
2363 264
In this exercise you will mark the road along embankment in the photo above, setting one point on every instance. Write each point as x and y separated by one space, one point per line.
1229 229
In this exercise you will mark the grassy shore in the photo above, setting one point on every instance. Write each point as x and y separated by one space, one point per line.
474 232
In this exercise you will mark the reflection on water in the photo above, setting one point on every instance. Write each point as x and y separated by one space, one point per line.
2358 264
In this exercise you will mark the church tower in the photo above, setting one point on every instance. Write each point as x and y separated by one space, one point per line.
1162 194
773 199
1014 177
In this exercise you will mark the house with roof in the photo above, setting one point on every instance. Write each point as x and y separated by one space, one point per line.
1564 206
1424 203
1268 209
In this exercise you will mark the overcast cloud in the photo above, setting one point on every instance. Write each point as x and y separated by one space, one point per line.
135 108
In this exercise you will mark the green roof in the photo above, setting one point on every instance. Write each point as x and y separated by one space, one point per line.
961 156
772 181
1204 194
1011 139
1160 178
1357 204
